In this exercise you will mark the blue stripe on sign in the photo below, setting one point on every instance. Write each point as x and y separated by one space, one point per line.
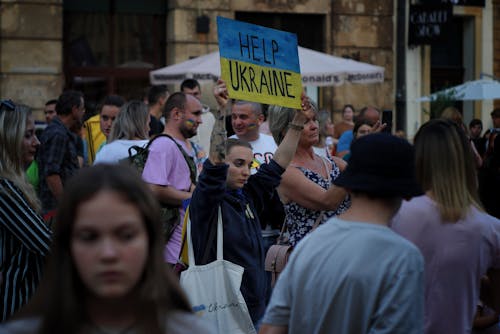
257 45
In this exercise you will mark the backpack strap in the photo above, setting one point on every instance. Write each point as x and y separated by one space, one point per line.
187 157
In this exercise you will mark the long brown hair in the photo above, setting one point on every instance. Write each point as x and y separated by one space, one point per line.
445 167
60 298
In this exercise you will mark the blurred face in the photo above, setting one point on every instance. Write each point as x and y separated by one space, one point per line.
193 92
108 116
191 118
348 114
30 142
109 245
50 112
329 127
244 121
496 121
475 131
372 115
147 127
310 134
78 112
363 130
240 161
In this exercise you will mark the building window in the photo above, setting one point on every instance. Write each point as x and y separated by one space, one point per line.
308 27
111 45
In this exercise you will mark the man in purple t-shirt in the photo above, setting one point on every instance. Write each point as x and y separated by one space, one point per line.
166 169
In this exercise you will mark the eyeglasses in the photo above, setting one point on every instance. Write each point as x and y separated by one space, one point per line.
7 104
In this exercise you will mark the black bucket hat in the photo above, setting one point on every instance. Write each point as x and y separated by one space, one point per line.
381 165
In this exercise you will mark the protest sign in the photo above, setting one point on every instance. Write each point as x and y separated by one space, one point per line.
259 64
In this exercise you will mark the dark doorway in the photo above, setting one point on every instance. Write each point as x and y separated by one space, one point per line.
447 61
308 27
111 45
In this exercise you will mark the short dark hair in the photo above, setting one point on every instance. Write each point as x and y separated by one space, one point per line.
475 122
359 123
67 100
190 83
176 100
155 92
49 102
495 113
348 106
233 142
113 100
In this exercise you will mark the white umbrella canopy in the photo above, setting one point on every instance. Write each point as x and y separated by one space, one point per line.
482 89
317 69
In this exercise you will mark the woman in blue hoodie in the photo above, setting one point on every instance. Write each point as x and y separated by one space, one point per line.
226 182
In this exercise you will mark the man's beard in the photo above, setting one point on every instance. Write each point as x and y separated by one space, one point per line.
187 133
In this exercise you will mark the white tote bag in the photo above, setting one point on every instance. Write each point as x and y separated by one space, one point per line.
214 289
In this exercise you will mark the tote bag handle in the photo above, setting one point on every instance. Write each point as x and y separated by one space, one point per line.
219 239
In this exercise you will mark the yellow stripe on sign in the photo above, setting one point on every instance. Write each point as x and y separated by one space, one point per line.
250 82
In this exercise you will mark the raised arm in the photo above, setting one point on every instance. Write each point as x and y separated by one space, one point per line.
218 139
286 149
295 187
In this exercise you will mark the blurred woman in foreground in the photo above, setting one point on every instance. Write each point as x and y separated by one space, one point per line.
106 272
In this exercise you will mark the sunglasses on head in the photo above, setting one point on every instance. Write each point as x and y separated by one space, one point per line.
7 104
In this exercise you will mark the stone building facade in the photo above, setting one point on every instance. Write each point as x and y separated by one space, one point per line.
31 58
36 63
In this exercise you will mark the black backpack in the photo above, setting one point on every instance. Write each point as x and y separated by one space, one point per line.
137 157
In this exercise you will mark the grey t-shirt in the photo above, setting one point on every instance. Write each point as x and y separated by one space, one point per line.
349 277
177 323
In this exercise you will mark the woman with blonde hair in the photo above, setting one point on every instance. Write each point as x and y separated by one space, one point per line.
306 187
130 128
24 237
458 240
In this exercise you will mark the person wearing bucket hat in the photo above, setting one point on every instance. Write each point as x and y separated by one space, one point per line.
458 240
382 166
365 278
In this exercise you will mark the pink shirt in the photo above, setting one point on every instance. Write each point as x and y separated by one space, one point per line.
166 166
456 256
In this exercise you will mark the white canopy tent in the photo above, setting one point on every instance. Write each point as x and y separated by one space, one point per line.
317 69
482 89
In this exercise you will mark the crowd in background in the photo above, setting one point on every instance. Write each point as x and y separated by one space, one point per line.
404 237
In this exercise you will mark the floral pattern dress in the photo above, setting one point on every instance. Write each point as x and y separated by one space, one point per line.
300 220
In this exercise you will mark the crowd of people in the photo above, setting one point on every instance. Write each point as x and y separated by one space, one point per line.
388 236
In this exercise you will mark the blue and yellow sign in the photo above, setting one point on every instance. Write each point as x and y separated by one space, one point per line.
259 64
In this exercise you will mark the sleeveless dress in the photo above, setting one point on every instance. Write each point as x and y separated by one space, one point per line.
300 220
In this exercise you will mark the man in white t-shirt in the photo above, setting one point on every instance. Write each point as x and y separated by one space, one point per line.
246 118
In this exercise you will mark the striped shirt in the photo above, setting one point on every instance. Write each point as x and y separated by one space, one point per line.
24 243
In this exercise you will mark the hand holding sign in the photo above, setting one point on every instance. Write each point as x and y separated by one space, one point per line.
221 95
307 108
